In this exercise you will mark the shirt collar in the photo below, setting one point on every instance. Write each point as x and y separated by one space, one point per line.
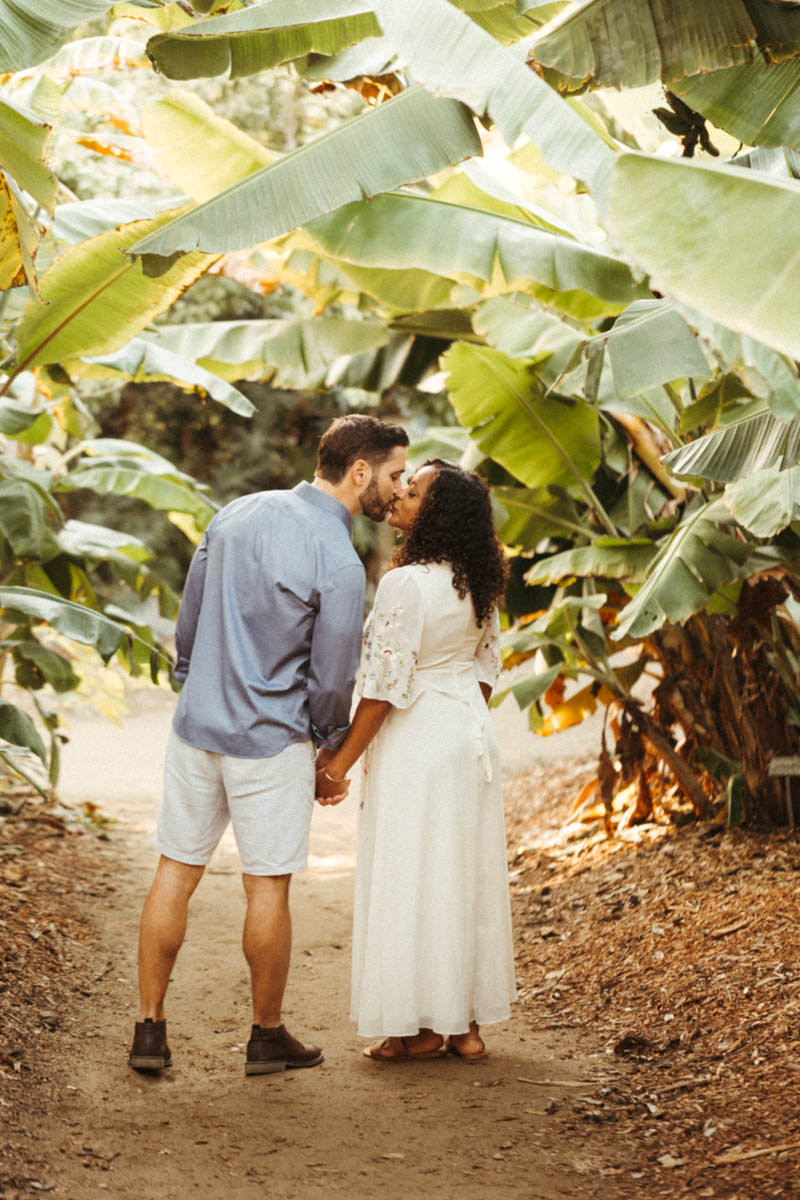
315 495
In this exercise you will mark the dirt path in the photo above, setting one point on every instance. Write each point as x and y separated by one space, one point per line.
440 1128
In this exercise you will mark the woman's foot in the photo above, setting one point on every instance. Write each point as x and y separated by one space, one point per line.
468 1046
425 1044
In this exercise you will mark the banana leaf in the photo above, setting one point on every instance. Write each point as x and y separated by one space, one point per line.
716 240
444 50
542 440
401 230
406 139
629 43
698 559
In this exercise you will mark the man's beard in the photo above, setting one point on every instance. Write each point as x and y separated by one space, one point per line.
371 504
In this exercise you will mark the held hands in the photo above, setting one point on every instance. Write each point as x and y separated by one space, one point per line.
328 789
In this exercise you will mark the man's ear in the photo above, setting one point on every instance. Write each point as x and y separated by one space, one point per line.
360 473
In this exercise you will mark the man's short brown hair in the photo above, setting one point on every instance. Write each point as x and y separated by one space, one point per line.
356 436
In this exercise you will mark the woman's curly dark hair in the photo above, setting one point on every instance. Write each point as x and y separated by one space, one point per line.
454 524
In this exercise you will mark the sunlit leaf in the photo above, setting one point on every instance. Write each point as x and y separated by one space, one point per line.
406 139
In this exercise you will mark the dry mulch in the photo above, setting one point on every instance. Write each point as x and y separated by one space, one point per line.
678 948
674 949
49 866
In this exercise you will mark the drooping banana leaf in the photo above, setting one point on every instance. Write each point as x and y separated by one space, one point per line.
74 621
757 442
628 43
27 519
261 36
300 351
542 440
31 32
766 501
716 240
112 466
406 139
443 49
606 558
141 360
699 558
24 139
95 299
758 104
403 229
649 344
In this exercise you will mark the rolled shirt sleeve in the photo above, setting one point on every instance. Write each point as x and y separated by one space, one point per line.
335 651
186 626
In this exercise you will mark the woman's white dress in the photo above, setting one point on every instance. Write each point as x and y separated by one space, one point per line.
432 941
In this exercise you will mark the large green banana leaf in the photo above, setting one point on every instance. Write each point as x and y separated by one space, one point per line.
74 621
764 371
23 147
649 344
299 351
79 220
545 441
31 30
87 540
758 104
521 329
696 561
95 299
606 558
261 36
766 502
443 49
402 230
176 125
757 442
27 518
142 360
628 43
281 31
532 514
408 138
115 467
716 239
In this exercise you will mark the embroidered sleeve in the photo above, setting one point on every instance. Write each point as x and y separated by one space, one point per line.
487 655
392 637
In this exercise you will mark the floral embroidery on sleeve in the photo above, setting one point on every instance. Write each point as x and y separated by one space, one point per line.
390 653
487 655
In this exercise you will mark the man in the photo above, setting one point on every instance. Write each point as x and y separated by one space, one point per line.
268 640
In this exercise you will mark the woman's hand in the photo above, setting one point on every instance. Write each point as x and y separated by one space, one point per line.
329 790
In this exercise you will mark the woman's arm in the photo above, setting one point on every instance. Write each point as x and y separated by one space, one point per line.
332 783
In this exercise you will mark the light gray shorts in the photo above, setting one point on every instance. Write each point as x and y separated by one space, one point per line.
268 801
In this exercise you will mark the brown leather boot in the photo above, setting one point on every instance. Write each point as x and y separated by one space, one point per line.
150 1051
275 1049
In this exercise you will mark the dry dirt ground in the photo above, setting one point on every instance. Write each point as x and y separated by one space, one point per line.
652 1052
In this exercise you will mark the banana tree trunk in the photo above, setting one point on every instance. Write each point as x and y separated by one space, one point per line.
730 686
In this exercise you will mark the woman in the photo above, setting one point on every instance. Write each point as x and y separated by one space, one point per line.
432 951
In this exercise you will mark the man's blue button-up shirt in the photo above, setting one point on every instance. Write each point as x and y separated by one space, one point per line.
269 630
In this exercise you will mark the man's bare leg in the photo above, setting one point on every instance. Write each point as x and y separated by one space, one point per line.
162 930
267 943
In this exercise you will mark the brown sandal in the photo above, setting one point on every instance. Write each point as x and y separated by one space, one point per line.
385 1052
467 1056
